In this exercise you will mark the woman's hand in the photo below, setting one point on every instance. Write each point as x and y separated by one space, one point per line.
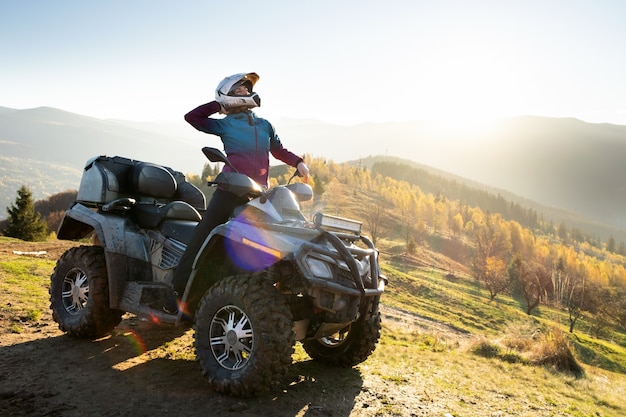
303 171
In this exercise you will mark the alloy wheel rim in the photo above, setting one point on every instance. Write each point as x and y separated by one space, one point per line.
231 337
75 292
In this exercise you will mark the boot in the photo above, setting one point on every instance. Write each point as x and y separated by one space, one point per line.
171 303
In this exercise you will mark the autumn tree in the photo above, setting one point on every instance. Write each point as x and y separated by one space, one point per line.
56 202
407 207
374 214
490 241
54 219
561 283
602 303
495 276
24 222
455 224
52 209
529 281
620 307
519 276
576 301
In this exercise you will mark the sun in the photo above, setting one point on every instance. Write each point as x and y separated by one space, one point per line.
462 125
465 86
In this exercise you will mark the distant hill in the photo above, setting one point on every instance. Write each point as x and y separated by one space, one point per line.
57 136
513 207
46 148
561 163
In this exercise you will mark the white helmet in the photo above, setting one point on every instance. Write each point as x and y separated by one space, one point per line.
224 93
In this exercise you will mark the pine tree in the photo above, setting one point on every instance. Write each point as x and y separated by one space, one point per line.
611 246
210 171
24 222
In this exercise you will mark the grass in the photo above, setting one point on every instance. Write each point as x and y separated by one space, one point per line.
461 305
518 361
498 373
478 381
458 304
24 286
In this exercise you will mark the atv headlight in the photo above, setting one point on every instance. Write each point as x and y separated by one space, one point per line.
319 268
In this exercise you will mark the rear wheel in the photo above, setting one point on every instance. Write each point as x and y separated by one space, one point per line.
244 335
79 293
348 347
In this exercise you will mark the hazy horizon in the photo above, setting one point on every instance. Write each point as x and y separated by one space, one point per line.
346 63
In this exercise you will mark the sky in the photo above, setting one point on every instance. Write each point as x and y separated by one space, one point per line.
342 61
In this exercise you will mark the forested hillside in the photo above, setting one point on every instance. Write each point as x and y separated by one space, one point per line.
513 207
514 252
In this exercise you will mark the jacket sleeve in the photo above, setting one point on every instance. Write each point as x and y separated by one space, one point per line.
199 117
281 153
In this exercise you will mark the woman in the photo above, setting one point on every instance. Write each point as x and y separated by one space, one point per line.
248 141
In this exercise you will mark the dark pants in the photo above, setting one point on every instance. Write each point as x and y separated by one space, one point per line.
219 210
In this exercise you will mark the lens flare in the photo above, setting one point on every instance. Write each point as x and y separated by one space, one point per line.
253 253
137 343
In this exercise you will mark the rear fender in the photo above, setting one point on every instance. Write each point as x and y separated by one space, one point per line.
123 250
79 222
110 230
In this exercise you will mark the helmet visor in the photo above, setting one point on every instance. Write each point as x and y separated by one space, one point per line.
241 83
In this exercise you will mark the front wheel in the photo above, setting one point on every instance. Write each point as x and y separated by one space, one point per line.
79 293
244 335
348 347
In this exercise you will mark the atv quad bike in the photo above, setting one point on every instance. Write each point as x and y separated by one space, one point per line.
262 281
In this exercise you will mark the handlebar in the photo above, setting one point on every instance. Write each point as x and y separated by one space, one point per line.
123 203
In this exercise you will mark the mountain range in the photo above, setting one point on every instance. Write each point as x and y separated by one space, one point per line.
562 163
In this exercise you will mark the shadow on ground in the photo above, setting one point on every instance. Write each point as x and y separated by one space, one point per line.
129 373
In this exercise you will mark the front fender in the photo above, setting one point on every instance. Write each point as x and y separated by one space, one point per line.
252 246
210 264
239 247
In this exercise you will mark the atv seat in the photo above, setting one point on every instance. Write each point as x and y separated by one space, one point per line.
106 179
150 216
155 188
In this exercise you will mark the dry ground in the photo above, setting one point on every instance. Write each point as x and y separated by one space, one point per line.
143 369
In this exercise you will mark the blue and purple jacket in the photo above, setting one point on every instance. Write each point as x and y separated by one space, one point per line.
248 140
